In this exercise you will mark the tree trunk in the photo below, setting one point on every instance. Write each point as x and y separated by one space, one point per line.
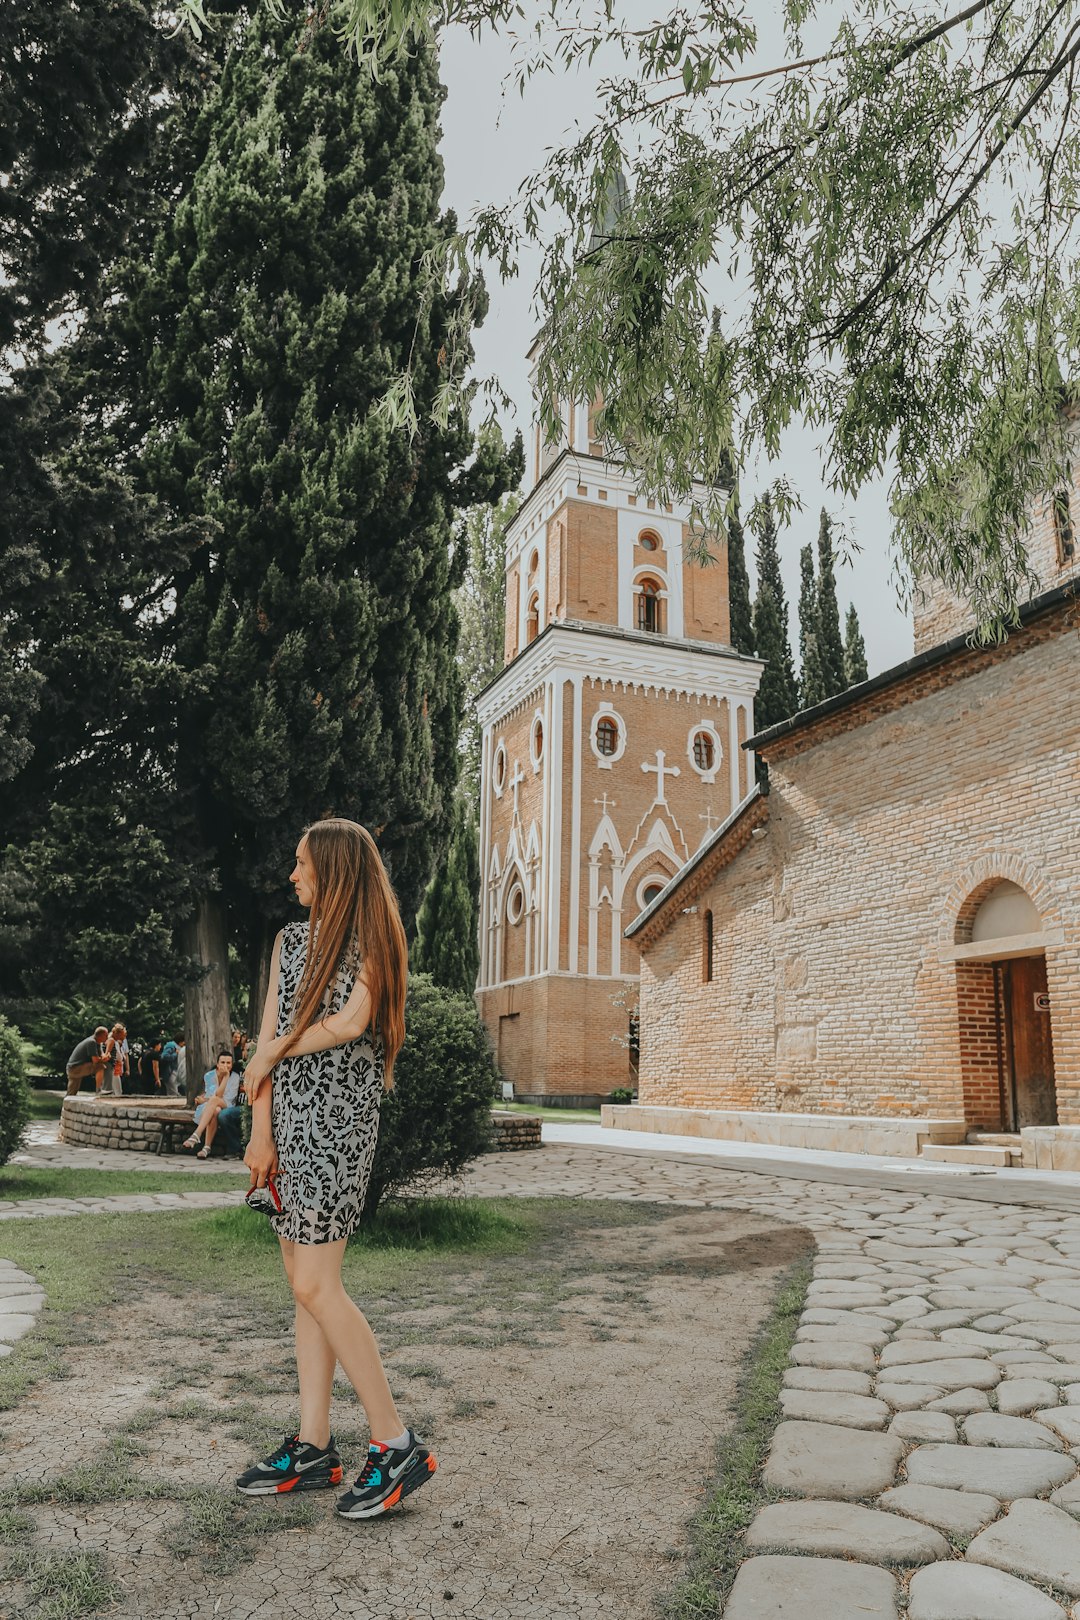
206 1002
259 975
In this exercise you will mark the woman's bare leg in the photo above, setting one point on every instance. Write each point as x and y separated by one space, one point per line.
315 1363
317 1287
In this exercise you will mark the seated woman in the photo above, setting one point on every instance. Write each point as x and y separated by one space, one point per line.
220 1089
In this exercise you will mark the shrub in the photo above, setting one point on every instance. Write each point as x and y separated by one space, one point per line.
14 1094
622 1094
438 1116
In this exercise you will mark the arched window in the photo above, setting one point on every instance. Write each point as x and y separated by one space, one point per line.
607 735
532 618
707 948
704 750
649 607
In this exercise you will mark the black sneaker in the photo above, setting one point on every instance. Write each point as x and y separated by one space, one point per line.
390 1474
295 1466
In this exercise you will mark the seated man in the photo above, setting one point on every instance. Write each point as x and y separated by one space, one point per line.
220 1090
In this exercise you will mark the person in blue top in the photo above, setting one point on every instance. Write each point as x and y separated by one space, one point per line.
220 1089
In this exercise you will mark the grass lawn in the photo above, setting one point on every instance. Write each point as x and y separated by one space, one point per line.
24 1181
566 1116
46 1104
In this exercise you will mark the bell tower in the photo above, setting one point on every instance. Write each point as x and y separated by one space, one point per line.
612 746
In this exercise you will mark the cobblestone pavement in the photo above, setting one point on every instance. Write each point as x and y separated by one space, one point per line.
928 1448
928 1451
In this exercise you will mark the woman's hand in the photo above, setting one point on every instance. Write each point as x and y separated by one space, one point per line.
261 1159
258 1070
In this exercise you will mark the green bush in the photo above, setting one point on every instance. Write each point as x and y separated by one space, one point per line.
622 1094
438 1116
14 1092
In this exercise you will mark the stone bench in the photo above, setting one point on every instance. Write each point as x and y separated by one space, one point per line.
132 1123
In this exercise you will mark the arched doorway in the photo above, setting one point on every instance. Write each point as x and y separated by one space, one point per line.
1006 1041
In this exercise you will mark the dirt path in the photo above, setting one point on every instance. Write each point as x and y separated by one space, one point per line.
563 1399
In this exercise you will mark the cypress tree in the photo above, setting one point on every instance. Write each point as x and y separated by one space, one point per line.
309 624
777 696
447 924
830 644
742 622
811 681
481 605
854 650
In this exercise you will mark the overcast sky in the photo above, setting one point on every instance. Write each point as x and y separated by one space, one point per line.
489 145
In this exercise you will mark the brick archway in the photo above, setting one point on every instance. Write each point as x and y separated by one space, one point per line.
994 1021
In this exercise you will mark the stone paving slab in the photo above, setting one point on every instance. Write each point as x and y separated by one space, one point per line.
827 1459
790 1588
845 1530
1034 1539
955 1591
18 1309
958 1513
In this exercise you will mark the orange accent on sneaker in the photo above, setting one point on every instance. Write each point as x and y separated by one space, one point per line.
336 1475
287 1484
392 1499
431 1463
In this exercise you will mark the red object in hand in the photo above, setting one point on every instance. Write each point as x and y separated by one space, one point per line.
266 1200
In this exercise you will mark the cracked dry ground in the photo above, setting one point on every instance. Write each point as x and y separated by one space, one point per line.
553 1387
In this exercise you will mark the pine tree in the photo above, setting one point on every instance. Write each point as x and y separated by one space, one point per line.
830 644
742 622
446 944
232 379
811 681
777 696
854 650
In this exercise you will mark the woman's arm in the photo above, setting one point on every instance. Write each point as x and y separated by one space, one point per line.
264 1058
338 1029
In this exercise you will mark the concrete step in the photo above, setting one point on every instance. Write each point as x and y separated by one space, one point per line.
1010 1139
990 1155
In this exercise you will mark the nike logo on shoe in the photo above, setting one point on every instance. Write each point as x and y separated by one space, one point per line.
401 1467
302 1467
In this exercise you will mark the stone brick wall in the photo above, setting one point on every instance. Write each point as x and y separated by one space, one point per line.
837 987
134 1124
515 1133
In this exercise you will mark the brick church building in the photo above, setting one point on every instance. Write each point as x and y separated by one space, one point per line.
881 952
613 746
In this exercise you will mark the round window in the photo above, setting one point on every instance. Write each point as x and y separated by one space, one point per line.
498 769
607 736
650 892
537 740
704 751
534 562
648 541
515 903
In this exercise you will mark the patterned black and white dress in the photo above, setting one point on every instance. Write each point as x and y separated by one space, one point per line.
325 1114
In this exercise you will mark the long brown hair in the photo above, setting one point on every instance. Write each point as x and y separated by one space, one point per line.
354 914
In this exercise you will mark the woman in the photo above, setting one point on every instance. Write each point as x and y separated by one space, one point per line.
333 1023
110 1077
221 1087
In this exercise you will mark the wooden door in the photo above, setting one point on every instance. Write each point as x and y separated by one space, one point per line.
1029 1044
